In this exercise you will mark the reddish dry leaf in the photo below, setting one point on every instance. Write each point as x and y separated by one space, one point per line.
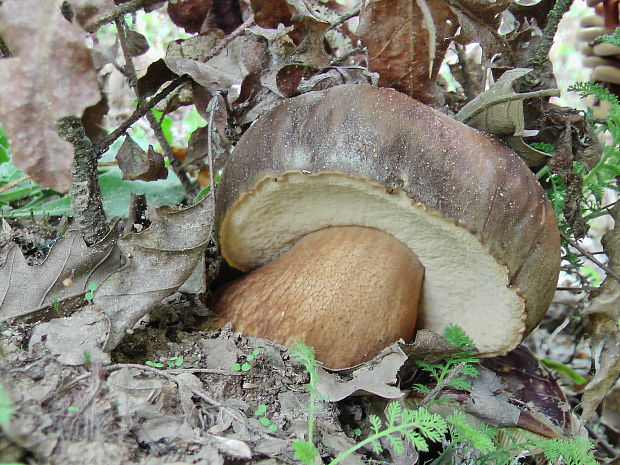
50 76
270 13
138 165
200 15
406 41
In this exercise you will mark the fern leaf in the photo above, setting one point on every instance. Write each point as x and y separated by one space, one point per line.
393 413
305 452
375 423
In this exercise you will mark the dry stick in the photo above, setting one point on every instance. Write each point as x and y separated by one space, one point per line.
591 257
116 13
175 163
444 382
145 107
86 198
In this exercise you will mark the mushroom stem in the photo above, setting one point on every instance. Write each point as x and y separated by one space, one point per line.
347 291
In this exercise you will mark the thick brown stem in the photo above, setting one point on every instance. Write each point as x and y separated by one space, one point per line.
347 291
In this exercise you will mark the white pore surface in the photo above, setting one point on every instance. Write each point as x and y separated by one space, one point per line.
463 283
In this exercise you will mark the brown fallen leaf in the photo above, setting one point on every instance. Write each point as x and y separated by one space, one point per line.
159 260
406 41
138 165
25 289
50 76
605 315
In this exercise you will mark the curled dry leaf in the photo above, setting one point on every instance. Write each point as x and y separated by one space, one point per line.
406 41
50 76
25 289
499 110
159 260
200 15
605 311
138 165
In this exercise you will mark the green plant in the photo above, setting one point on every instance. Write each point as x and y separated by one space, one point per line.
416 426
245 366
6 406
263 420
438 371
90 294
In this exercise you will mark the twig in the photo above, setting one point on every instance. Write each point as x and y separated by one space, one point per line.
86 198
144 107
591 257
229 38
175 163
117 12
213 104
345 17
444 382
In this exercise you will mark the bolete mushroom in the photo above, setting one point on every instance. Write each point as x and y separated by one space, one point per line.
356 208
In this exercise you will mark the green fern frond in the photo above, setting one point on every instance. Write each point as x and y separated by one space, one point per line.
613 38
481 439
460 383
456 336
584 89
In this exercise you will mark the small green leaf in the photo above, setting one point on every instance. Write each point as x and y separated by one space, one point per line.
236 367
255 352
250 357
564 370
92 286
154 364
305 452
260 410
246 367
89 296
73 408
273 427
264 421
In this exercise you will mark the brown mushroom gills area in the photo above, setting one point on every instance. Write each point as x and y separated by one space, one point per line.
347 291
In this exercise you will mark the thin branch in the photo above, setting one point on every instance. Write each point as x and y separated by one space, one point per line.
144 107
117 12
229 38
540 58
591 257
444 382
175 163
345 17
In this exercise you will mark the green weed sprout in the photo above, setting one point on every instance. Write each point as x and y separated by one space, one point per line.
416 426
438 371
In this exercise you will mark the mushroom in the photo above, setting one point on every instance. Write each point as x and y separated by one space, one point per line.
361 214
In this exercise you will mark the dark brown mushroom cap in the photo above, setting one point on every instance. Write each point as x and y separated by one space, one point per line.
479 197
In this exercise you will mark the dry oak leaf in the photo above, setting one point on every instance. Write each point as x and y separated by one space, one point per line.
406 42
50 76
25 289
159 260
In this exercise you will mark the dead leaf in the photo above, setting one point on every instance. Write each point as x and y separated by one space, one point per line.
605 316
499 111
86 10
69 338
189 14
377 376
136 44
138 165
25 289
270 13
159 260
406 41
480 21
50 76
